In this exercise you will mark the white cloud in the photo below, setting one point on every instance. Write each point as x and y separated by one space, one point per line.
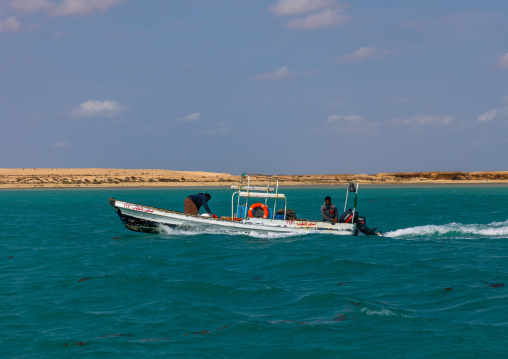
431 120
31 5
351 124
489 115
222 128
320 13
502 61
93 108
346 118
410 24
465 25
295 7
280 74
494 113
337 103
402 101
325 18
362 53
193 117
11 24
62 34
65 7
61 145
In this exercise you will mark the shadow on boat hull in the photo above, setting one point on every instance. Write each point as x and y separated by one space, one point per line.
140 225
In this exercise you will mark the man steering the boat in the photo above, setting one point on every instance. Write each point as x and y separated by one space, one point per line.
194 202
329 211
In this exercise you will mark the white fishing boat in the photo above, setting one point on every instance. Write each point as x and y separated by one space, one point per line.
261 217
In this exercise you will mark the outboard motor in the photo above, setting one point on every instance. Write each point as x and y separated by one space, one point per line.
348 217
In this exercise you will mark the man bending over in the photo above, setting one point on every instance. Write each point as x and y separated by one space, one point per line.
193 203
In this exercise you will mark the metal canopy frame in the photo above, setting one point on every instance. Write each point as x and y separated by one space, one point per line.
247 191
355 186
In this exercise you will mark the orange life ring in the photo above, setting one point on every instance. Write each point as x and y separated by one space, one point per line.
256 205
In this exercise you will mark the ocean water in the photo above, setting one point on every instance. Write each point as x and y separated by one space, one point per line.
74 283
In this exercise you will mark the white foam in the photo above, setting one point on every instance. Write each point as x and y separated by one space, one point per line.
270 235
384 313
494 229
175 232
199 230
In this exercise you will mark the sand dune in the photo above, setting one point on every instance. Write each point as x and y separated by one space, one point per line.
102 177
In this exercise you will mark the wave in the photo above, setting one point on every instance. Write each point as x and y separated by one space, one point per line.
384 313
494 229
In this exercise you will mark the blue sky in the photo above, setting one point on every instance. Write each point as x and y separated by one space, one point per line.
267 86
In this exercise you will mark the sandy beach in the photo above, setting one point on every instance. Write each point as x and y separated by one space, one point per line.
103 177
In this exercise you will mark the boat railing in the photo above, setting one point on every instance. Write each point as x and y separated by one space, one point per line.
253 188
352 187
247 191
261 195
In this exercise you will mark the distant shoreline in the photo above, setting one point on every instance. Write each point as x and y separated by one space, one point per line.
211 188
61 178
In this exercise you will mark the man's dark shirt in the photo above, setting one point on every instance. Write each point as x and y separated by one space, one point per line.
200 200
329 213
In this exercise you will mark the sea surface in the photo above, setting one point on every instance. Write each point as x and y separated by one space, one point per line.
75 283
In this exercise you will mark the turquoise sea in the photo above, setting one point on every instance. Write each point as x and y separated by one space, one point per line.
74 283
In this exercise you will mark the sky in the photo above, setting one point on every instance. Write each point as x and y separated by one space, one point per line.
266 86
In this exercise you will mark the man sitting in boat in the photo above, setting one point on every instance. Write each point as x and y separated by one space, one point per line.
193 203
329 211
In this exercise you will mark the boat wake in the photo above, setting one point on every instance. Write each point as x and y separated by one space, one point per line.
494 229
195 230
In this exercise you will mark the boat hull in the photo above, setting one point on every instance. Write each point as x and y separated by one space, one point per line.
154 220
